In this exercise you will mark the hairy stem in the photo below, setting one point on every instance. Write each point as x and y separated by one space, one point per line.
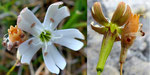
106 47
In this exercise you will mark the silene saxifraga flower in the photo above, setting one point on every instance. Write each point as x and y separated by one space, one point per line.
45 35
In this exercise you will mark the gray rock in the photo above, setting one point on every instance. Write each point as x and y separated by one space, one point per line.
146 52
110 70
135 66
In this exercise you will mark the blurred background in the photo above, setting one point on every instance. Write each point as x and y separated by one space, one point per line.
76 61
138 57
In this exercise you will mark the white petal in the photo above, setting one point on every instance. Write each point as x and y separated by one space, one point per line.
62 13
28 22
70 43
55 13
28 50
57 57
49 62
74 33
51 11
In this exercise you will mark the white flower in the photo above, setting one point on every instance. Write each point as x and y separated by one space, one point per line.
45 34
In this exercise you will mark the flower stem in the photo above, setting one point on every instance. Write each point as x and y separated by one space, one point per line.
106 47
121 66
12 68
98 73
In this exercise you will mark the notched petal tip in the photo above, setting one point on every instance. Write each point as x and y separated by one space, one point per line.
67 12
81 35
98 14
79 47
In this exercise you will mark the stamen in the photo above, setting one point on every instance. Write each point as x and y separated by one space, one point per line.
30 42
32 25
51 19
45 36
45 52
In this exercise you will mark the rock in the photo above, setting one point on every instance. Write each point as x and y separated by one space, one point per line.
139 44
146 52
93 49
135 66
110 70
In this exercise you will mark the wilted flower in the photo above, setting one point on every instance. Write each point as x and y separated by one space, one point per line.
16 34
132 29
45 35
14 37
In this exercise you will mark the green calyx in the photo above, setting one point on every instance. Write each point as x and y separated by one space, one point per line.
113 27
45 36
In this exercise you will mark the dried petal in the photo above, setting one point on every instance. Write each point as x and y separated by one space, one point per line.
15 34
125 17
98 14
100 30
119 12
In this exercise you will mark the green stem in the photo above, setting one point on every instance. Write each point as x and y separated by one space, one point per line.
98 73
106 47
12 68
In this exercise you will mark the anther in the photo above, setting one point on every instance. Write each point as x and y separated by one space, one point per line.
51 19
45 53
30 42
32 25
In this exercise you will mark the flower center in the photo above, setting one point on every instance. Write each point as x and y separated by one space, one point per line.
45 36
